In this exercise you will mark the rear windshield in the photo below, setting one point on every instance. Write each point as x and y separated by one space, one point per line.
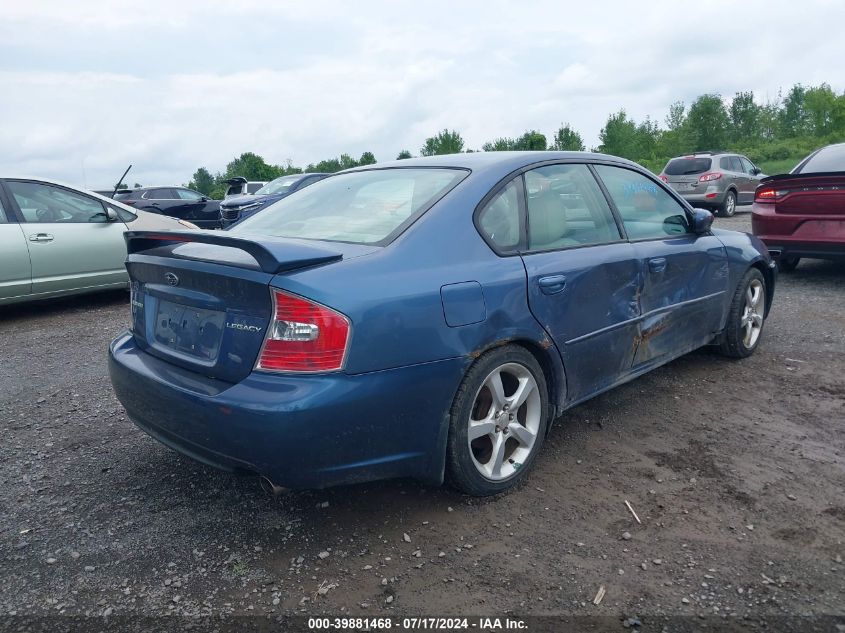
364 207
278 185
122 196
830 158
687 166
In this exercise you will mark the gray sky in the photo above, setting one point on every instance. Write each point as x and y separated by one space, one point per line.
89 87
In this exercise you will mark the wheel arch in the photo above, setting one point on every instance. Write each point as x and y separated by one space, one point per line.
769 277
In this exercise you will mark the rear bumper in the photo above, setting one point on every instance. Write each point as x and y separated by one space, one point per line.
799 236
716 198
300 431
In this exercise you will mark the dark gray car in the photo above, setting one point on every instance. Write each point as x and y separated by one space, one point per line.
713 180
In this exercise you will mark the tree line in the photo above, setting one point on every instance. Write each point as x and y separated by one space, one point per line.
788 127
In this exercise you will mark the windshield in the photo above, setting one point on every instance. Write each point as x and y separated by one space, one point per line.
364 207
278 185
687 166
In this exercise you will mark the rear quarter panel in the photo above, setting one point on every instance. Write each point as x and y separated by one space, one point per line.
745 251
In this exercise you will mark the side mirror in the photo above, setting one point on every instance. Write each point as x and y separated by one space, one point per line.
756 171
204 199
111 215
702 221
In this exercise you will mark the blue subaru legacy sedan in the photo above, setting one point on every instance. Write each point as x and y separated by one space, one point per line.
425 318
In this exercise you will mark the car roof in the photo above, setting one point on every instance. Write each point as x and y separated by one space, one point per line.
509 161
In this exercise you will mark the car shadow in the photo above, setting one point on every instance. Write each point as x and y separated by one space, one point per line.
52 307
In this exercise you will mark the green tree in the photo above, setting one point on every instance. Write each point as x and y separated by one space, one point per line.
619 136
708 122
500 145
403 155
137 185
202 181
820 108
566 139
367 158
444 142
252 167
793 115
745 118
676 138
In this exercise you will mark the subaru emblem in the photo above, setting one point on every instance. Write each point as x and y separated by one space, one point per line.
171 279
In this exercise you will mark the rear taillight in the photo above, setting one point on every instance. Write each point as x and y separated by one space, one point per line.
664 178
769 194
303 336
713 175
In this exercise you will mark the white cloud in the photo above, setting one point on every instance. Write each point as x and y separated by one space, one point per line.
168 86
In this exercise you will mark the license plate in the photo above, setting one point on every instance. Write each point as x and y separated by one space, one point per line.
192 331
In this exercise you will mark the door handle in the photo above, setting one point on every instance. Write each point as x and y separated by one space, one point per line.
552 284
41 237
657 264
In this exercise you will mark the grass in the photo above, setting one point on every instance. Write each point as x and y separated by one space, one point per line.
772 167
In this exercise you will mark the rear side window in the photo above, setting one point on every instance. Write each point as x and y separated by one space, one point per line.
187 194
647 210
3 218
566 208
736 164
687 166
363 207
725 163
161 194
252 187
47 204
499 219
830 158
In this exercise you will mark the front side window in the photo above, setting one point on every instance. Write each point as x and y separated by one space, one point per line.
363 207
43 203
187 194
3 218
499 219
566 208
747 165
647 210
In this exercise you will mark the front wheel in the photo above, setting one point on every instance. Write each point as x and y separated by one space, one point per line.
744 326
497 422
728 208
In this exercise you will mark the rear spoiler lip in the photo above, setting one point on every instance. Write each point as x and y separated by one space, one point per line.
273 256
814 174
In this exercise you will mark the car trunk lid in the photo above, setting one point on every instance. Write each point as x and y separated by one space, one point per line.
202 301
819 194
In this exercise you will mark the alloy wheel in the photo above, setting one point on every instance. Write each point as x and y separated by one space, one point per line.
504 421
752 313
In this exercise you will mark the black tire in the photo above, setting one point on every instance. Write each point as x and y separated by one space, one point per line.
728 206
732 341
461 469
788 264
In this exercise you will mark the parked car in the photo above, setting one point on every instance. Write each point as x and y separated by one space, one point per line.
240 207
713 180
57 240
802 213
177 202
427 317
240 186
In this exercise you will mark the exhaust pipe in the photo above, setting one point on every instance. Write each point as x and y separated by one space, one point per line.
270 488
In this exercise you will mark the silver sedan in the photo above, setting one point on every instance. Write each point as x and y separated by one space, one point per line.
57 240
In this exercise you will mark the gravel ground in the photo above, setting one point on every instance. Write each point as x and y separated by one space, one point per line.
736 470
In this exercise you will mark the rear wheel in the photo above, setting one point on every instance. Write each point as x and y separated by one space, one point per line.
788 264
497 422
728 207
744 326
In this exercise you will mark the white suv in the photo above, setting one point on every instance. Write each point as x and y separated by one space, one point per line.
240 186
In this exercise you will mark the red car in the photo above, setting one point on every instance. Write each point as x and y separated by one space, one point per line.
802 213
